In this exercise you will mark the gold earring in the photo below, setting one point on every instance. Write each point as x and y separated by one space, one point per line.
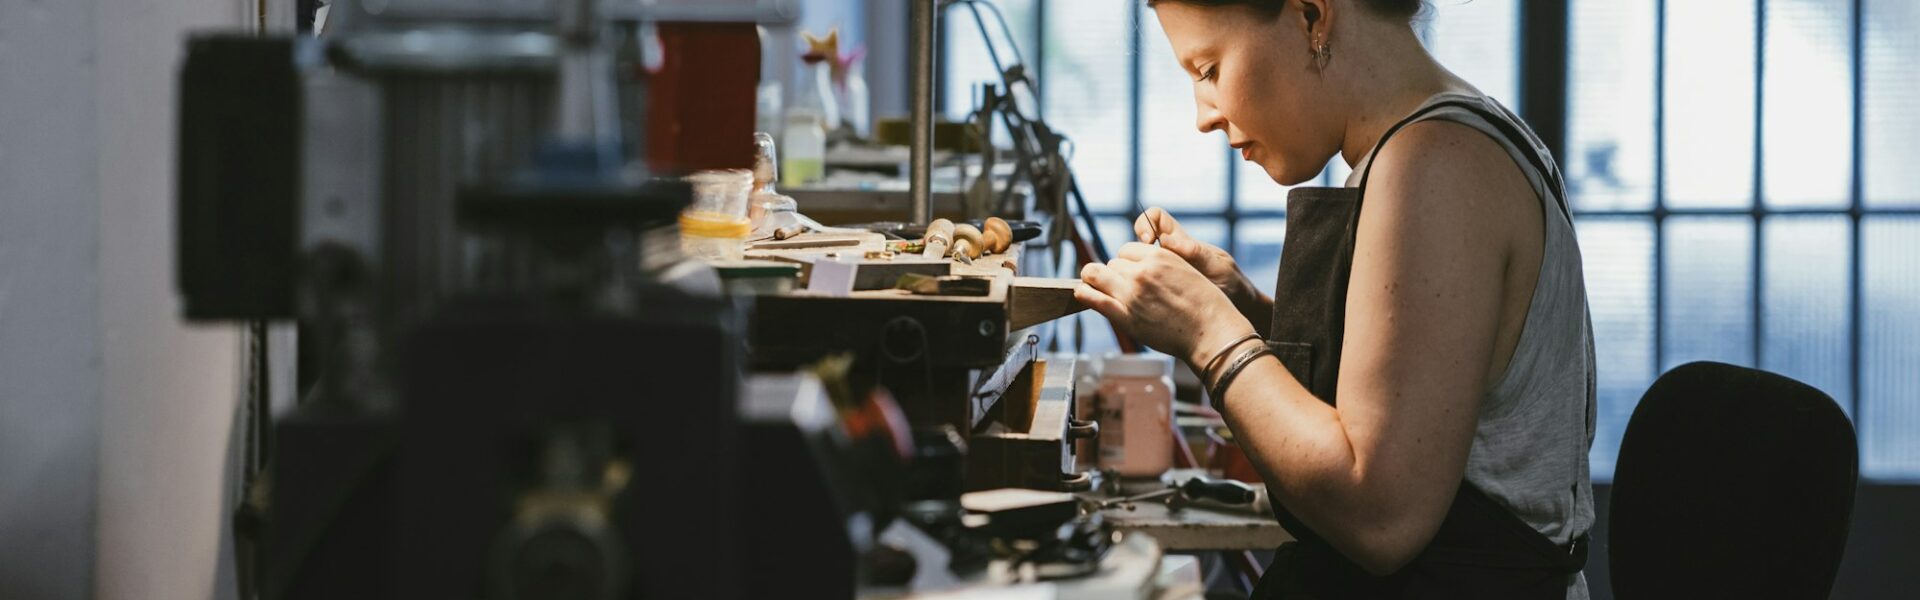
1322 53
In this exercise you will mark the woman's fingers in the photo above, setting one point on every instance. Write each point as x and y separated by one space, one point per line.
1115 279
1180 243
1107 306
1169 234
1155 225
1148 228
1142 228
1101 277
1136 251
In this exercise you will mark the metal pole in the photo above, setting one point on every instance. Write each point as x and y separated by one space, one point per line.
923 14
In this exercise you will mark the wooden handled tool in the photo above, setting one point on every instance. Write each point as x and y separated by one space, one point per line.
967 243
999 235
938 239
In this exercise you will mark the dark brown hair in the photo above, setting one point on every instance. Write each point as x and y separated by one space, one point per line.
1404 9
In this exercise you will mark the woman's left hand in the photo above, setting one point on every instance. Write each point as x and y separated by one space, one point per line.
1162 301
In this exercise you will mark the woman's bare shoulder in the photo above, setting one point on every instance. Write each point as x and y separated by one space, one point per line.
1444 173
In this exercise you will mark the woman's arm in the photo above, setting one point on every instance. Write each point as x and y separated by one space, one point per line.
1256 306
1376 476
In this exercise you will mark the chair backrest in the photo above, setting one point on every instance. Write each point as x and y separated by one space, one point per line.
1731 483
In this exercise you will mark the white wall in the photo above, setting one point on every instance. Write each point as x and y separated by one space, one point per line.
49 396
168 391
114 416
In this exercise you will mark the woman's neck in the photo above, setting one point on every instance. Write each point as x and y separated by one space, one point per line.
1385 82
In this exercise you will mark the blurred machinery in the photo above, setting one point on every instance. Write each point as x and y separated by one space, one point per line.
447 197
513 389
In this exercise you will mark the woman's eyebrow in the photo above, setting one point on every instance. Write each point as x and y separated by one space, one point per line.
1191 62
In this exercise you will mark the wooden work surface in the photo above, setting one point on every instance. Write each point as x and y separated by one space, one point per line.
1196 528
1032 300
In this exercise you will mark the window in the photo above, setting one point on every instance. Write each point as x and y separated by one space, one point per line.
1739 171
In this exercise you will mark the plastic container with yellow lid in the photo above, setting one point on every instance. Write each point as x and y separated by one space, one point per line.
715 226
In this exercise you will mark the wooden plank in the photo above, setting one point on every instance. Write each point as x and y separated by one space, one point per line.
1034 450
1198 529
1195 527
1036 300
989 390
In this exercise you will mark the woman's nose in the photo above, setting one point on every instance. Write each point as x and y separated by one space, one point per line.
1209 118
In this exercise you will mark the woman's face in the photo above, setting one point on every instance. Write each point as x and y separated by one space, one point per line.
1253 79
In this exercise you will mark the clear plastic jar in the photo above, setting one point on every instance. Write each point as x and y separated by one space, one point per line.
766 163
721 192
1136 415
715 226
704 237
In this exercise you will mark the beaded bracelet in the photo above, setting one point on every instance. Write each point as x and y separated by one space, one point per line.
1219 390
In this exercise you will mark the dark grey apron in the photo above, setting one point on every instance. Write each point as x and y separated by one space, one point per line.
1481 550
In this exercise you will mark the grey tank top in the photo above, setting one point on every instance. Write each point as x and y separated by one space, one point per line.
1529 450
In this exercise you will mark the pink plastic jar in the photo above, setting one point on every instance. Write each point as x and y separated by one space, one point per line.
1136 415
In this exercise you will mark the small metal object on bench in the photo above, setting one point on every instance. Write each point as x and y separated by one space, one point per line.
797 243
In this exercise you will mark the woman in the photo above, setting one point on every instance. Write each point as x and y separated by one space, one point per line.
1438 297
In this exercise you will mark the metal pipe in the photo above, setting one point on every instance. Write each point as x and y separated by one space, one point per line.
922 14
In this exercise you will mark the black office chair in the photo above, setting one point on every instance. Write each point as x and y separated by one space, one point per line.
1731 483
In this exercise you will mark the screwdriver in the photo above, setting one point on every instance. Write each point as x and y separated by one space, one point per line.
1224 491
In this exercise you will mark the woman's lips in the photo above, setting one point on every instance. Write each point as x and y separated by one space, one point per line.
1246 152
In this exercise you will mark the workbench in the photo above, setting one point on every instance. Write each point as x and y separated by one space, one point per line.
1195 529
1135 568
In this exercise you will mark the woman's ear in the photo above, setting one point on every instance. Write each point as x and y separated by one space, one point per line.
1316 16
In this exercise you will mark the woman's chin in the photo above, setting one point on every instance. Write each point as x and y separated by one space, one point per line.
1281 174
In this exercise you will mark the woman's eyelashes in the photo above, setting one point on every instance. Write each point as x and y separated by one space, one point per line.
1209 73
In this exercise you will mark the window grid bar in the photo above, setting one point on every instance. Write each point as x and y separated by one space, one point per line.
1233 197
1659 186
1856 302
1759 181
1134 102
1039 65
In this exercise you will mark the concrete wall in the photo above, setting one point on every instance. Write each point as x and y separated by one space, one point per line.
114 416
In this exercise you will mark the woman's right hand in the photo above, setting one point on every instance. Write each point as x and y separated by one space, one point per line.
1156 225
